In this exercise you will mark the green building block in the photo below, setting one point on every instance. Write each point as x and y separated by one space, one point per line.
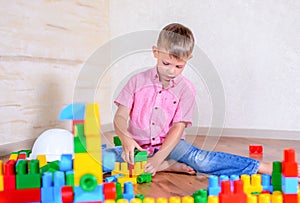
28 179
119 191
50 167
140 196
27 151
200 196
140 156
117 141
79 140
144 178
70 178
276 176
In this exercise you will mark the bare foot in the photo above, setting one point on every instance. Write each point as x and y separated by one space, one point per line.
174 166
265 168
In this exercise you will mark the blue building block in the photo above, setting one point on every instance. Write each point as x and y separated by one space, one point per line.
73 112
59 182
108 160
47 190
128 191
290 185
81 195
266 183
223 178
213 186
66 163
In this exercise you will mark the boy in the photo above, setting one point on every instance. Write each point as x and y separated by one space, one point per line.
159 104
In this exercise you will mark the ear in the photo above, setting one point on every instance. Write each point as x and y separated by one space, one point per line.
155 51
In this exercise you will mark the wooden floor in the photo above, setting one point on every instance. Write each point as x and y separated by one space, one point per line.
172 184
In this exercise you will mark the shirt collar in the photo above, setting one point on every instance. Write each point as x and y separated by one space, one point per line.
173 82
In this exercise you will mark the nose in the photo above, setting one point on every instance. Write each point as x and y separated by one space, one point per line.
171 70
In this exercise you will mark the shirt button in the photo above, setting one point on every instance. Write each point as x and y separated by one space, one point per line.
153 138
153 123
156 107
159 92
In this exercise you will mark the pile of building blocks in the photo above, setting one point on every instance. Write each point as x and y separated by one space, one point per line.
80 179
133 173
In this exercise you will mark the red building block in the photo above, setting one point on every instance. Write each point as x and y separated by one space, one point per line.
290 198
21 196
67 194
238 192
9 177
255 149
289 165
109 190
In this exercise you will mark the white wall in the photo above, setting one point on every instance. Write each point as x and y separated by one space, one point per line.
253 45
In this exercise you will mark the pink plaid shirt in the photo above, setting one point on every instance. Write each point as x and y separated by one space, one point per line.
153 109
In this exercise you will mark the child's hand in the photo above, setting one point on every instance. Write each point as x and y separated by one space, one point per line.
152 165
128 145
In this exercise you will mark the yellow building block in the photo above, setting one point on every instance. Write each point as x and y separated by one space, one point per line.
277 197
13 157
121 168
84 163
213 199
256 183
138 169
1 176
42 159
149 200
174 200
162 200
136 200
251 198
264 198
92 120
188 199
122 180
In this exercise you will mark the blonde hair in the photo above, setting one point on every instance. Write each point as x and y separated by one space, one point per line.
177 40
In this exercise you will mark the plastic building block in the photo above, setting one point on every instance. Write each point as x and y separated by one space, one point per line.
141 197
187 199
79 139
81 195
140 156
122 180
1 176
121 168
213 186
50 167
266 183
174 200
289 165
9 177
108 161
264 198
47 190
84 163
119 193
227 196
21 196
88 182
22 156
92 120
73 112
255 149
70 178
13 156
128 191
290 185
66 163
117 141
137 200
200 196
67 194
144 178
223 177
42 160
290 198
213 199
276 176
59 182
109 190
25 179
277 198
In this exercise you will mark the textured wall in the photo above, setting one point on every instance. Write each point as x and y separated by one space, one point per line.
43 45
254 46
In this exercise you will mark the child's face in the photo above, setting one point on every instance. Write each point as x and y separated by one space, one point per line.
168 66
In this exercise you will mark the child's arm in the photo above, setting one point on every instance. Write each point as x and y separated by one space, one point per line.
128 144
170 142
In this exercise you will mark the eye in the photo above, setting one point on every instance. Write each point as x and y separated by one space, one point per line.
179 67
165 63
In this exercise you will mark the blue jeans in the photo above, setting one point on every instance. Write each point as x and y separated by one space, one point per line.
209 162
